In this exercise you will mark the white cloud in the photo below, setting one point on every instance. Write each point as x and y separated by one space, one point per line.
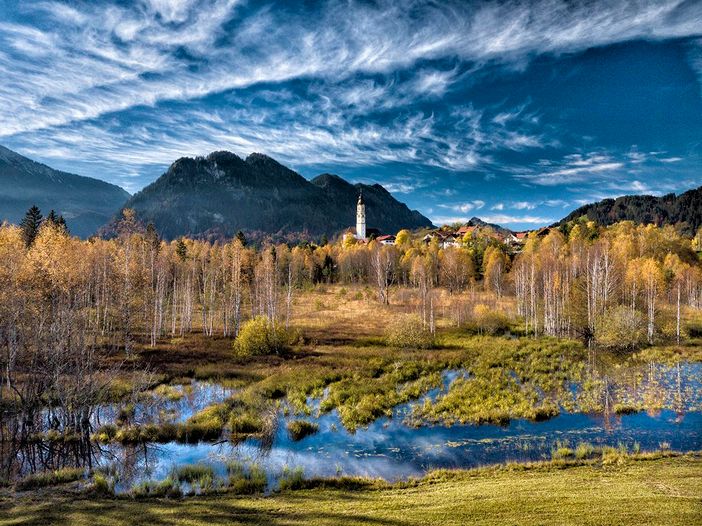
523 205
92 83
504 219
108 57
498 219
602 168
477 204
573 168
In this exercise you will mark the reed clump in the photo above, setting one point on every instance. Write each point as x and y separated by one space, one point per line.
299 429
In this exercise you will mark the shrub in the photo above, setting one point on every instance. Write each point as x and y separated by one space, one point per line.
408 332
490 321
694 329
258 336
620 327
299 429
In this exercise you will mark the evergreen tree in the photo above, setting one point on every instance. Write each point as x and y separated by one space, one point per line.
181 249
152 236
325 241
241 237
61 223
56 221
30 225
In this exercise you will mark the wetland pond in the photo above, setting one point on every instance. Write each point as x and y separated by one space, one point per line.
399 447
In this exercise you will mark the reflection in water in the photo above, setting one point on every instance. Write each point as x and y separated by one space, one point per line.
389 448
55 438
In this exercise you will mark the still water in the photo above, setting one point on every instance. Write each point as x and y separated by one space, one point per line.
390 449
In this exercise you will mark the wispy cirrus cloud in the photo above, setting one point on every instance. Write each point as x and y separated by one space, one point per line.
297 128
120 89
574 168
594 167
108 57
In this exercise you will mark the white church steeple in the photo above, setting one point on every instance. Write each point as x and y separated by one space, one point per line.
360 217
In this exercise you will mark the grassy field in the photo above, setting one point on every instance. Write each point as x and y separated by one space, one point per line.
665 491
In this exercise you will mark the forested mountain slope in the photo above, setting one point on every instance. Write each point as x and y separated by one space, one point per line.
222 193
683 210
84 202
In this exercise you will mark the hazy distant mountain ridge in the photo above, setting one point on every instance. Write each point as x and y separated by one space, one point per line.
222 193
683 210
85 203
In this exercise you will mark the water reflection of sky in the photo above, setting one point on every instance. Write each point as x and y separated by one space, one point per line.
153 407
390 450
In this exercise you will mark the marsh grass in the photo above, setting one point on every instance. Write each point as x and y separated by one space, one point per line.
562 452
205 425
50 478
627 408
345 362
299 429
292 479
361 399
168 392
246 480
509 378
103 485
168 487
585 451
200 477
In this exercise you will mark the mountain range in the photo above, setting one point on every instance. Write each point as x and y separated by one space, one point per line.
683 210
218 195
84 202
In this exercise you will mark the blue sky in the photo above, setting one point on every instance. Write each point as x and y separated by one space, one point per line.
516 112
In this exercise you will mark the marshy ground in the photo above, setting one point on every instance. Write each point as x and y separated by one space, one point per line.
340 364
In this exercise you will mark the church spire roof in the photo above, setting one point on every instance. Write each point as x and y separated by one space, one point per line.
360 197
